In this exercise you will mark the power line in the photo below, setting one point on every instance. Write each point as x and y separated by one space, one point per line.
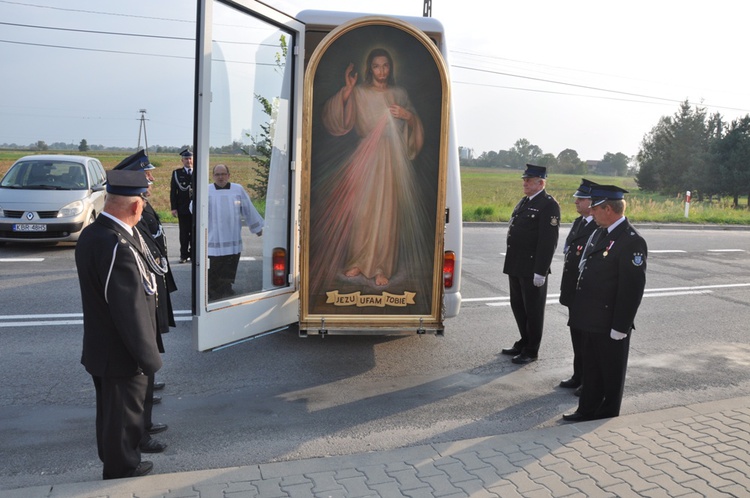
587 87
138 35
90 31
46 45
535 90
502 73
96 12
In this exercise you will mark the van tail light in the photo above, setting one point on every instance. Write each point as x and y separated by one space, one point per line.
449 264
279 267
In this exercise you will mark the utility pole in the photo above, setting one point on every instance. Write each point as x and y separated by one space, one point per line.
427 11
142 127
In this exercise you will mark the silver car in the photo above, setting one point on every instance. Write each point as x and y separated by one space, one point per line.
50 198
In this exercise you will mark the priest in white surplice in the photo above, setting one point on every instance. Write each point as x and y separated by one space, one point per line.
228 204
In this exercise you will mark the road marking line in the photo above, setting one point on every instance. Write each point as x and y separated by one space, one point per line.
726 250
21 260
665 292
681 293
666 251
47 323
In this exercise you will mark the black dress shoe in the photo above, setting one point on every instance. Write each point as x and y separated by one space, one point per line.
157 428
158 386
578 391
156 400
514 351
152 446
145 467
575 417
570 383
523 359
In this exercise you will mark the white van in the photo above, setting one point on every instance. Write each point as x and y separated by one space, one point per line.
362 209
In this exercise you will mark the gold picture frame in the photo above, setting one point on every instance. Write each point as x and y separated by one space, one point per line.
376 121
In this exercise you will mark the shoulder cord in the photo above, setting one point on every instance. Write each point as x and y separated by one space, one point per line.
179 185
160 268
148 278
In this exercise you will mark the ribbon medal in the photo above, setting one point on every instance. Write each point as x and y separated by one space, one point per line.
606 251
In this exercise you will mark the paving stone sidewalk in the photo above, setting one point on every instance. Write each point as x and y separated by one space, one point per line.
700 450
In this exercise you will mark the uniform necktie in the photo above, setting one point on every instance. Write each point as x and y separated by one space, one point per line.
593 239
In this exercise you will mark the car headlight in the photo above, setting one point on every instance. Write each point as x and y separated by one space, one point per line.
73 209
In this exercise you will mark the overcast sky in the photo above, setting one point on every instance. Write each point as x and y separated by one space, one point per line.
588 75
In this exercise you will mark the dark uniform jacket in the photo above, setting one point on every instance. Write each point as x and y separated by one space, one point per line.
611 284
532 236
574 244
181 191
119 316
152 232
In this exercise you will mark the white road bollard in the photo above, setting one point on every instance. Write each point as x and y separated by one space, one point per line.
687 204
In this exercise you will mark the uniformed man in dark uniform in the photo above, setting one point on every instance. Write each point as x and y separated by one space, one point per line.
610 288
180 195
155 241
118 294
532 238
579 234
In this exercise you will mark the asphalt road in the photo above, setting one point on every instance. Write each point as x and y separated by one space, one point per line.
282 397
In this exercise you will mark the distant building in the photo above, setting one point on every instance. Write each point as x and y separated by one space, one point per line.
592 166
464 153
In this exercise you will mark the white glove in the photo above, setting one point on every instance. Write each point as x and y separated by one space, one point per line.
618 336
539 280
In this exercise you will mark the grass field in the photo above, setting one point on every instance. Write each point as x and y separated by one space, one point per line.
488 194
491 195
240 167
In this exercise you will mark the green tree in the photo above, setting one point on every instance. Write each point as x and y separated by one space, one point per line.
83 146
549 161
525 152
614 164
733 156
569 162
674 151
39 145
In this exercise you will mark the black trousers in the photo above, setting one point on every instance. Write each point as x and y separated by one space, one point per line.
527 302
604 368
119 423
221 273
185 222
577 338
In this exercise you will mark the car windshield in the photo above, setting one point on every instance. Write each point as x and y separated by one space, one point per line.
45 175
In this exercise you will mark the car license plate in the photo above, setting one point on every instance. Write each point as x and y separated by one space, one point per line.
29 227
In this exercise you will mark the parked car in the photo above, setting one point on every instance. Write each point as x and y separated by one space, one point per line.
50 198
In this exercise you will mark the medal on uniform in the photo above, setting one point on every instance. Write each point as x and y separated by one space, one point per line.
578 250
606 251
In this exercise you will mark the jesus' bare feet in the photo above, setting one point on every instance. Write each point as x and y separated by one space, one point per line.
381 280
352 272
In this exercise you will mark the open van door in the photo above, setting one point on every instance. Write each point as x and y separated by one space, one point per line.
247 114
